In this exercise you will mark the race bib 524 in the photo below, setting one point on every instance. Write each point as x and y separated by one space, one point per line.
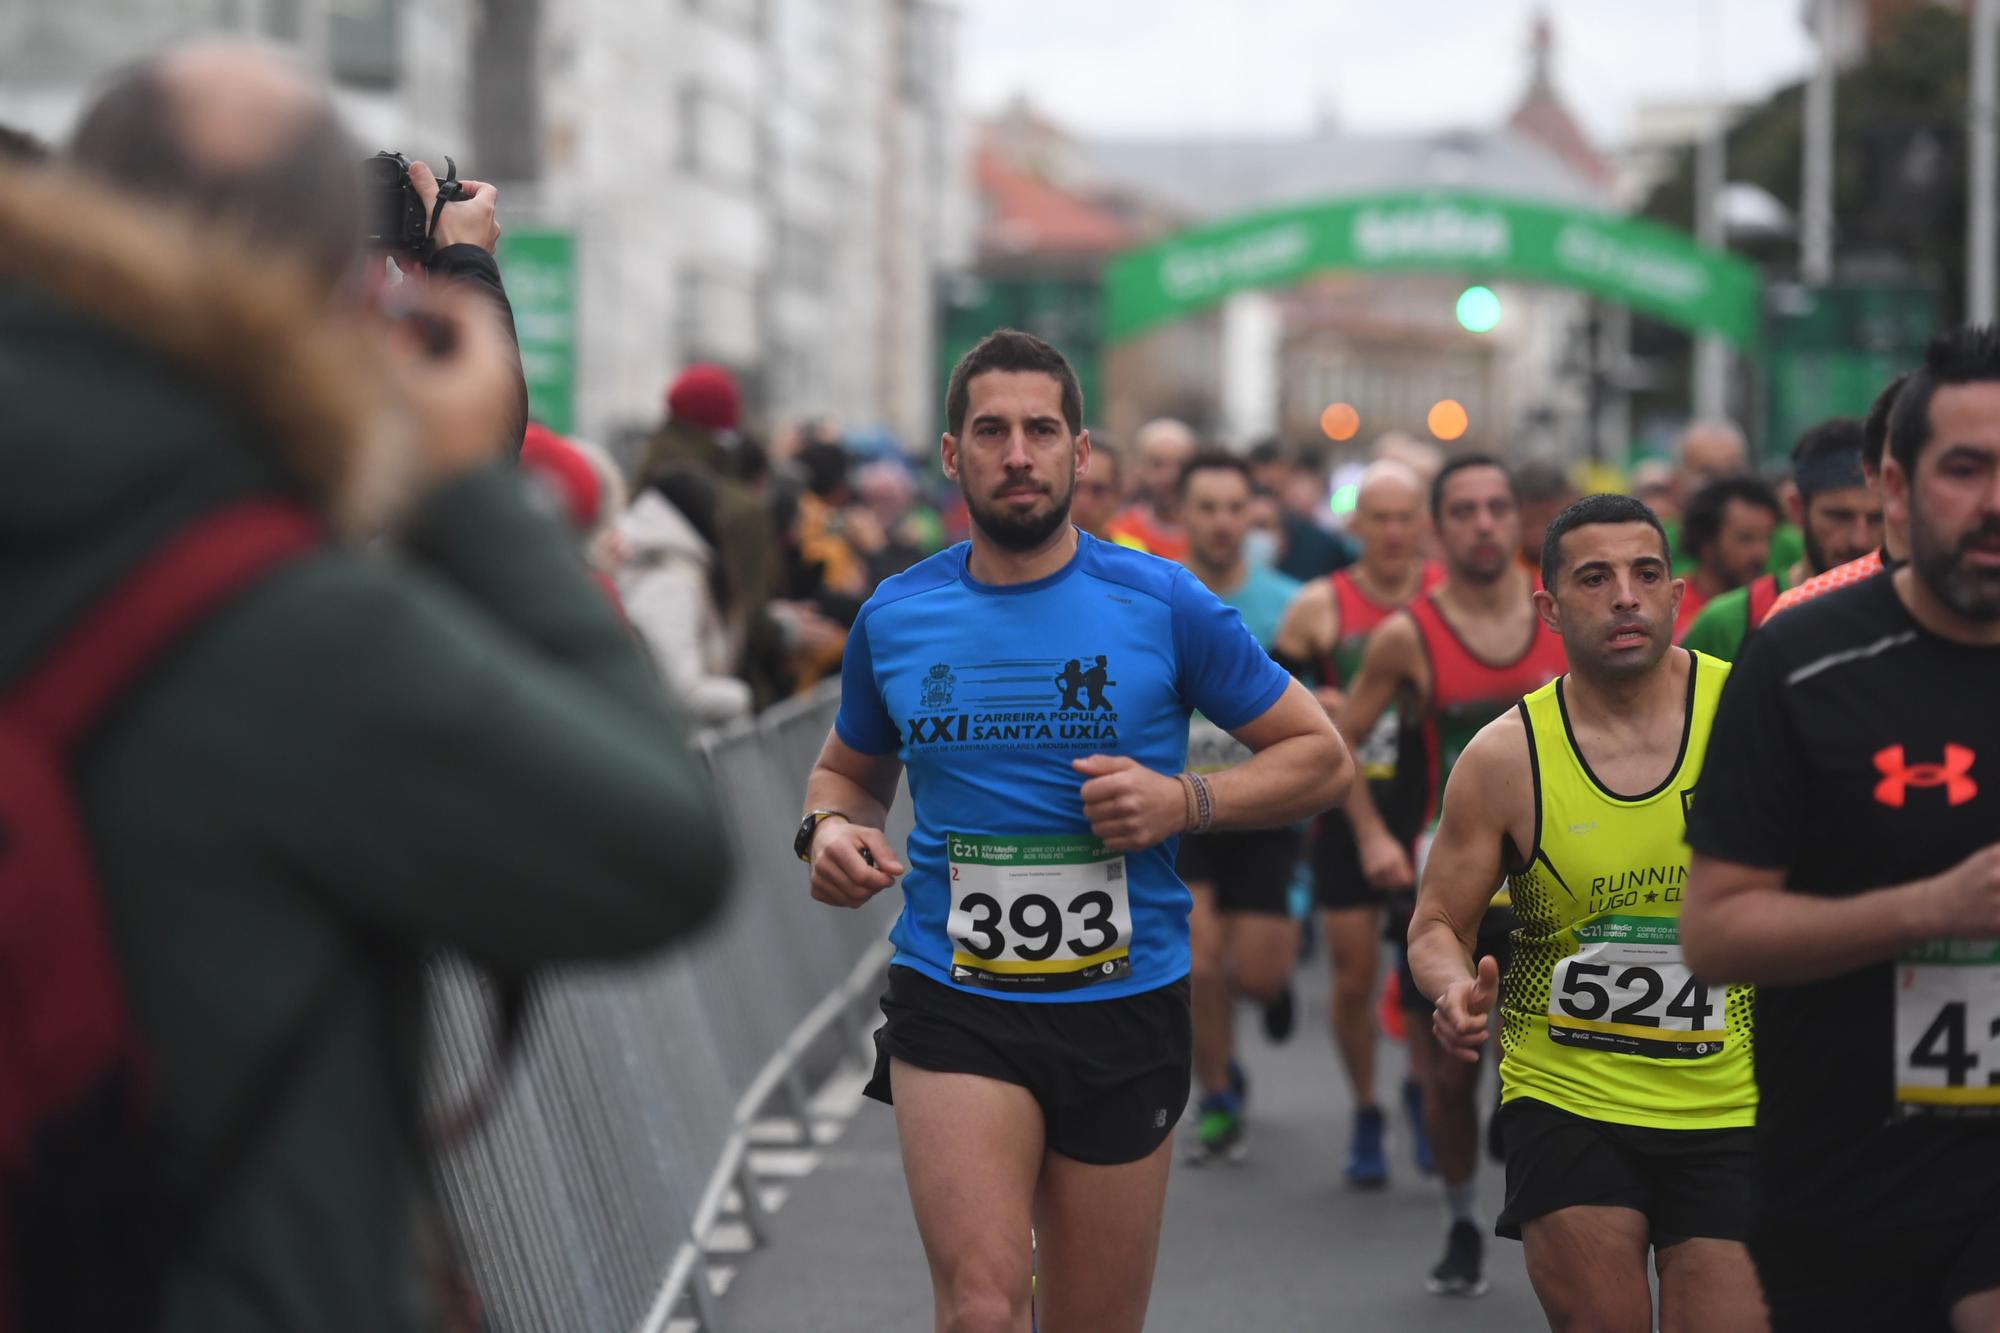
1626 990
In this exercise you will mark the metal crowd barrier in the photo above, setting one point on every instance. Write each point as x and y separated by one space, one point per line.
581 1203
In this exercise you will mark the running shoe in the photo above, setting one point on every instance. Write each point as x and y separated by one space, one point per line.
1218 1133
1281 1016
1460 1272
1420 1138
1367 1168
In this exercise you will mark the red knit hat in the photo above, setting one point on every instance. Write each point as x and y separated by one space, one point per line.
705 395
571 480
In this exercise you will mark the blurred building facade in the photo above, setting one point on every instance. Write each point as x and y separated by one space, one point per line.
775 185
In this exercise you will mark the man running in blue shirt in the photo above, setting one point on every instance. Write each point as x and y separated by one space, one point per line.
1242 934
1037 1045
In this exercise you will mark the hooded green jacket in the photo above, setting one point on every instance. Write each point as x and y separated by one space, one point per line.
379 749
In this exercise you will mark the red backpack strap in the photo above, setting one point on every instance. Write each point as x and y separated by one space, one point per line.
1763 596
66 690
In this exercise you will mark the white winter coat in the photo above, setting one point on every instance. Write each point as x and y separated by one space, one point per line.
665 588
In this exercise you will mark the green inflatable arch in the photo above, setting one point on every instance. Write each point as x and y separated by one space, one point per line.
1650 268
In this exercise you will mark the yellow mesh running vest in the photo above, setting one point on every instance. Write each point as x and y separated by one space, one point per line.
1599 1015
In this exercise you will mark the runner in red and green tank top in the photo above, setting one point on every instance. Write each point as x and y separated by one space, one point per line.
1322 639
1454 660
1467 691
1358 614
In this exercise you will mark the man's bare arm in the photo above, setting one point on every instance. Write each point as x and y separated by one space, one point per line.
1741 924
1308 632
1391 662
1299 766
1488 800
851 857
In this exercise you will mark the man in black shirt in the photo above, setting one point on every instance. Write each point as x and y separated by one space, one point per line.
1845 862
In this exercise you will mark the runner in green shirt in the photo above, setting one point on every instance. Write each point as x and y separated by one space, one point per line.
1839 516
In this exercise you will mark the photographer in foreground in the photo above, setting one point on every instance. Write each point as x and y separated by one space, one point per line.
358 757
237 133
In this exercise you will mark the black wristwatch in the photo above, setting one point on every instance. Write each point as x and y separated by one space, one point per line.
802 841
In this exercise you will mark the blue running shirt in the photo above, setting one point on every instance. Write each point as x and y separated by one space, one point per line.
986 694
1261 599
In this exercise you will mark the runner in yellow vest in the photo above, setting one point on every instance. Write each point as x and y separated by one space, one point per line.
1626 1083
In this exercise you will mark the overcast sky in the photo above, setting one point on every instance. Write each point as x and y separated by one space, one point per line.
1126 67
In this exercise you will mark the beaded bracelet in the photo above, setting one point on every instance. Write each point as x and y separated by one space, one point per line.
1204 810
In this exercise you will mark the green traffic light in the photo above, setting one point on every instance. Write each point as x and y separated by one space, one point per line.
1478 310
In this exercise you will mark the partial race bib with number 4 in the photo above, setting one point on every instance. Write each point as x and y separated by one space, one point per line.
1627 991
1037 912
1948 1029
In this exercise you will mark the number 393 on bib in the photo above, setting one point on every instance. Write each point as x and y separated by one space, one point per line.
1037 912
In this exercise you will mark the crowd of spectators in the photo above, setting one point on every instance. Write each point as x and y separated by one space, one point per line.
741 564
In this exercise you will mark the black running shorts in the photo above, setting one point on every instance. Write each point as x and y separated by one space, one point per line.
1496 940
1835 1277
1250 869
1111 1076
1338 884
1687 1182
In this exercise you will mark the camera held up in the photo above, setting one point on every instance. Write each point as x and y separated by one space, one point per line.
394 217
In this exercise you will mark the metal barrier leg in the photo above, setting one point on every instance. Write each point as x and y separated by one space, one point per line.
756 1220
798 1101
855 1048
702 1287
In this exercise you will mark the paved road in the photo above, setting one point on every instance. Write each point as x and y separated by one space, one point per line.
1270 1244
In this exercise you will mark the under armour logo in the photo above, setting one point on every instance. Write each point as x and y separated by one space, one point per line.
1898 776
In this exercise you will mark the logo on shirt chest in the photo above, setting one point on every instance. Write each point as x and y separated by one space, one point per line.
1024 702
1083 687
1899 775
937 687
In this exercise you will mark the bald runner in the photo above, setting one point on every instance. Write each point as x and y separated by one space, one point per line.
1324 634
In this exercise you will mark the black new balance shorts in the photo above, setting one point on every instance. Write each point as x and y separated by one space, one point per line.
1687 1182
1835 1277
1111 1076
1249 869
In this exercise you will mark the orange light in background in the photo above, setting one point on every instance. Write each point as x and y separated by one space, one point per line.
1447 419
1340 422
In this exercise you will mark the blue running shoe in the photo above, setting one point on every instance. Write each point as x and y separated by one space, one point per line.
1420 1139
1367 1168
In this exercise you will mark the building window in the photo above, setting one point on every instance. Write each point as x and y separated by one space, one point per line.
362 50
743 15
719 140
718 316
804 258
